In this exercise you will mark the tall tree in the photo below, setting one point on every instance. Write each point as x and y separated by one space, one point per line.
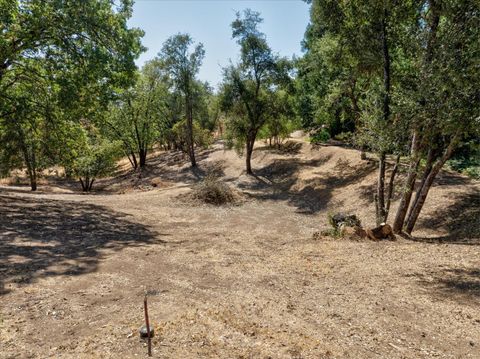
248 87
446 101
415 63
353 41
182 65
134 116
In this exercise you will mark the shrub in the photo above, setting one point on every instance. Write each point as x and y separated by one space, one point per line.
96 160
213 191
338 220
321 136
345 137
201 137
467 166
473 172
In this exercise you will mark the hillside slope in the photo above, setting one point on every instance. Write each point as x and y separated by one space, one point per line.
315 180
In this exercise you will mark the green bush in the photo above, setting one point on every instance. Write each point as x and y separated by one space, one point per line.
201 137
321 136
467 166
346 137
473 172
97 159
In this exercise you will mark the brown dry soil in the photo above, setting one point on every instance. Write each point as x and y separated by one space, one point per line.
243 281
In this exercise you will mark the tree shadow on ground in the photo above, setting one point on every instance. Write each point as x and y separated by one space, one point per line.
461 220
279 181
287 148
164 169
448 178
459 284
42 237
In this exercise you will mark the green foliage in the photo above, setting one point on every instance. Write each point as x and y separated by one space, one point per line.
403 75
80 42
467 159
201 137
137 118
339 220
179 62
29 129
345 137
248 91
97 159
60 62
281 120
320 136
206 107
342 71
467 166
182 65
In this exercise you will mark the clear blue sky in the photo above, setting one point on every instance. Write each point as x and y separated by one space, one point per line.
208 21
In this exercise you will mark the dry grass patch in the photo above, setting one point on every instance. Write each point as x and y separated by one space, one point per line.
212 190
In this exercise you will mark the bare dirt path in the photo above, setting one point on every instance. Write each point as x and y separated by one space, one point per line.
245 281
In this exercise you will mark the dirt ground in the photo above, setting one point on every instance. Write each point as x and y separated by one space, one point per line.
242 281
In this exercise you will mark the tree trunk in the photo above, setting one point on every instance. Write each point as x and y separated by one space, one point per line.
32 171
31 166
190 143
91 184
420 200
33 180
133 160
406 197
380 197
248 157
422 196
426 172
380 202
143 157
409 184
193 160
412 173
86 184
83 184
377 209
391 186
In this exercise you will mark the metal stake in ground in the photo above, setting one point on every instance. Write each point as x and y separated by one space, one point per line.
149 339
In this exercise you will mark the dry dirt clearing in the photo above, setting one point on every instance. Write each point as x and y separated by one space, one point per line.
245 281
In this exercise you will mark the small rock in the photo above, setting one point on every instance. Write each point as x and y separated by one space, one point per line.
144 333
339 219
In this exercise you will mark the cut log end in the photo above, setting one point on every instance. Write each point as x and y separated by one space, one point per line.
382 232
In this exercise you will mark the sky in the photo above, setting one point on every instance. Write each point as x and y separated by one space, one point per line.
208 22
